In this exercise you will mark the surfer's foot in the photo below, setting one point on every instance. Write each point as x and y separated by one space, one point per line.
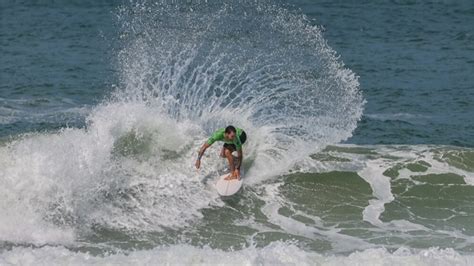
230 177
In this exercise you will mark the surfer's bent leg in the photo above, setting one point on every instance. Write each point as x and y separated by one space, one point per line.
230 158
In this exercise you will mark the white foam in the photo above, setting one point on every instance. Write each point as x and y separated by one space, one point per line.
380 184
50 181
276 253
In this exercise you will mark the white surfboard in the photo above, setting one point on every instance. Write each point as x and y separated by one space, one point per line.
229 187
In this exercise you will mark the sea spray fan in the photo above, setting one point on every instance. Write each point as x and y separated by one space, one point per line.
252 64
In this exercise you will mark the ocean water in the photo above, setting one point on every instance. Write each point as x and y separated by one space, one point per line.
359 117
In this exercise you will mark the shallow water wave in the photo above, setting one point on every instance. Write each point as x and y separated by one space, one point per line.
329 204
418 196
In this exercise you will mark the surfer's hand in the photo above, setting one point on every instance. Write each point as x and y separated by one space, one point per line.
198 164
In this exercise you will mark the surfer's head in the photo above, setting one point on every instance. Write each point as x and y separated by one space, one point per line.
230 132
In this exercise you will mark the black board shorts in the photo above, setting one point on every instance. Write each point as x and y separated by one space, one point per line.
242 137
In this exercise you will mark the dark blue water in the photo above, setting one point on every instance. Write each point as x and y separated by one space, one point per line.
415 61
55 60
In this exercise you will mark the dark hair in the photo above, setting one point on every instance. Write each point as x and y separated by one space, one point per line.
229 129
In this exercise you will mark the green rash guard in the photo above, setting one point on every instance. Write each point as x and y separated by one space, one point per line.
218 135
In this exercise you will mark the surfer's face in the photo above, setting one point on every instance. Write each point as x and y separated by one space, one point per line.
230 136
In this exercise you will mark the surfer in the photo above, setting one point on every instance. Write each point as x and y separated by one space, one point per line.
233 139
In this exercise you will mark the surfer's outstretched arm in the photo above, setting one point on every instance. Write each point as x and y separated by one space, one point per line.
201 153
